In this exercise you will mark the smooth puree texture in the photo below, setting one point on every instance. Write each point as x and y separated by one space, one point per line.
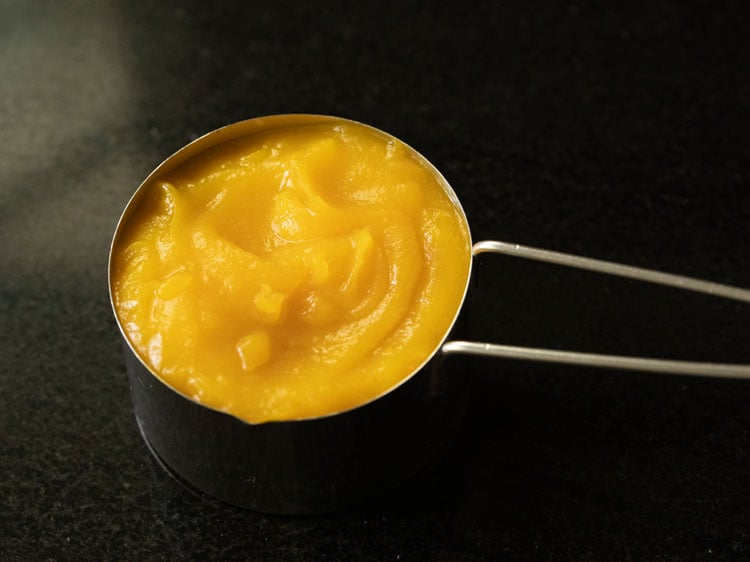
292 273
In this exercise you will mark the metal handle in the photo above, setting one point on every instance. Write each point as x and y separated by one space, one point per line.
610 361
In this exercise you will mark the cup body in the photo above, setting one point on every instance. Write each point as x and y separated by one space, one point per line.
299 466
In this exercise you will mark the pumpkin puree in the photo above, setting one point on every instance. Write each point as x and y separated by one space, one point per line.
293 273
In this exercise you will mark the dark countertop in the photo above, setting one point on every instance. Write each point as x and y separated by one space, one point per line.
617 132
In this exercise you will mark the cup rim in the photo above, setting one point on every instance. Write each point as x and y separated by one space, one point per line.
237 130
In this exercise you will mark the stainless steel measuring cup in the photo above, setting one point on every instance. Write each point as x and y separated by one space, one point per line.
329 462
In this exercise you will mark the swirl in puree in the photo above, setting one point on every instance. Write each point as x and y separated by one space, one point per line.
296 272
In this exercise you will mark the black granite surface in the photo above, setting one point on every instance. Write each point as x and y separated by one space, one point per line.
619 131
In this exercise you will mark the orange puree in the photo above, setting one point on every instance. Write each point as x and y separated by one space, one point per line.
295 272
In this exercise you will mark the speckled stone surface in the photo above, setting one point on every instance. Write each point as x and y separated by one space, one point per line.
616 131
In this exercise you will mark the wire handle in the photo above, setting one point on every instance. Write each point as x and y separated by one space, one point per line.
720 370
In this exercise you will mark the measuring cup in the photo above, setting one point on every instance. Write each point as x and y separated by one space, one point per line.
329 462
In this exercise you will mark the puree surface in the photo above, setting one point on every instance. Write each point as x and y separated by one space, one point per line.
292 273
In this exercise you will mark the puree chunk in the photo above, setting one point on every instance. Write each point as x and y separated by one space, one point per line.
293 273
